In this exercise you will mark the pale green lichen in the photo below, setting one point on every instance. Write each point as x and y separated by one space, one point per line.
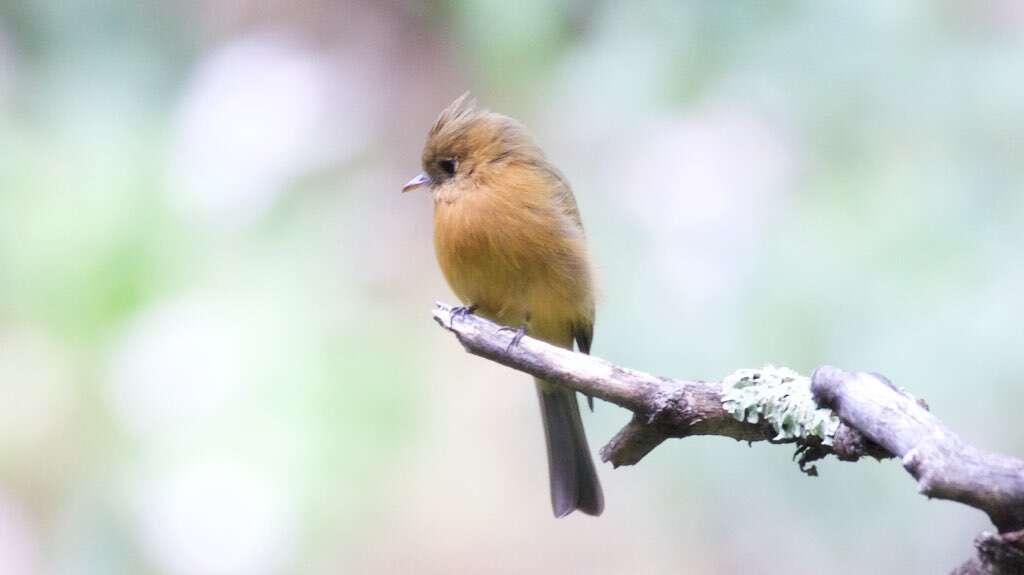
780 396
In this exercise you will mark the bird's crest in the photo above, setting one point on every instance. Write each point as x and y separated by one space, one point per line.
462 110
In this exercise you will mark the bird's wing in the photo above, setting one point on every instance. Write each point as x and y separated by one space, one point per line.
562 192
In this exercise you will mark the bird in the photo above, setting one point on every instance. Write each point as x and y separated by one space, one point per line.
509 241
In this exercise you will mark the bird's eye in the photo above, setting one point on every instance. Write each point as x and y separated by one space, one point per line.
447 166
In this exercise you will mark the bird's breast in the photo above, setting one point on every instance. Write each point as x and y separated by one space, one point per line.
481 262
511 257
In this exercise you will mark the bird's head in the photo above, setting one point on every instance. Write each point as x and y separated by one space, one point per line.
466 139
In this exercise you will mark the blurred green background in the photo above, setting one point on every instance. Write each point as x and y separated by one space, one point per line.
216 352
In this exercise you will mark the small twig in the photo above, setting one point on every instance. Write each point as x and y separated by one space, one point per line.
998 554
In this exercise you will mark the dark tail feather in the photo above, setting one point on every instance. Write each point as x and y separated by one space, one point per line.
574 483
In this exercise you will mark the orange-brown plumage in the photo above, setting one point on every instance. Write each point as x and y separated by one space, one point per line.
509 240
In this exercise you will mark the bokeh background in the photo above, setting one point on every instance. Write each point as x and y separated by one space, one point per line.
216 351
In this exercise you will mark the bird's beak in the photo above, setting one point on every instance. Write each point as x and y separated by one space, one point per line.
421 179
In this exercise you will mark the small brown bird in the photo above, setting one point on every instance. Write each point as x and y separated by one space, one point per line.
509 240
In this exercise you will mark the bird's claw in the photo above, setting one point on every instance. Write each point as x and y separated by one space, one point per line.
460 312
516 337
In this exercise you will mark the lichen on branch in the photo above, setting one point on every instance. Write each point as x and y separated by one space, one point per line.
781 397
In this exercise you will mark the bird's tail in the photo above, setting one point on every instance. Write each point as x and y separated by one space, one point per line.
574 483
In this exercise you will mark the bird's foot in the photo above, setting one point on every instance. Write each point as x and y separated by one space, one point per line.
460 312
517 336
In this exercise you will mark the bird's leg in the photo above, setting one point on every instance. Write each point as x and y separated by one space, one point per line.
516 337
460 312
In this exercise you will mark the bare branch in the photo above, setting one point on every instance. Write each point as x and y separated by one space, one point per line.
944 465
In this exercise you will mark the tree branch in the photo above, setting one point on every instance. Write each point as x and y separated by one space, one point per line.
663 408
944 466
877 420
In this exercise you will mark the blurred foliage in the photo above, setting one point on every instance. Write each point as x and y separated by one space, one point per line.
215 346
